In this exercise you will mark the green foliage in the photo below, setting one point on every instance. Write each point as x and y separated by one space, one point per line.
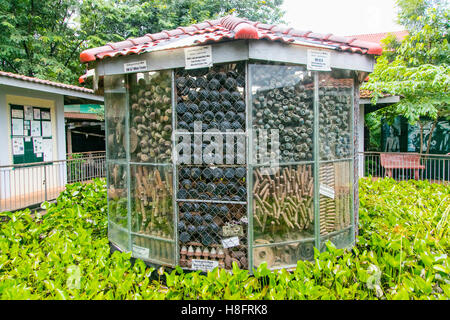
401 253
417 70
424 89
44 38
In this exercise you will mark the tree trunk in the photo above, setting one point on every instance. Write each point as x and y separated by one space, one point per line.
431 134
421 137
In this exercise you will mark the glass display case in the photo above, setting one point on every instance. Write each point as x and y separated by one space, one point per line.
245 162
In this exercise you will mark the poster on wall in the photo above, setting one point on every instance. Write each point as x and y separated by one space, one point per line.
47 149
37 113
17 113
17 127
37 145
45 115
18 146
35 128
28 110
46 129
439 141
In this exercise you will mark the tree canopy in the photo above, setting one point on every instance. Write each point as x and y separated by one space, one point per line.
418 71
43 38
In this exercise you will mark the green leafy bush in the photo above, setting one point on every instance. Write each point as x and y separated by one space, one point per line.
401 253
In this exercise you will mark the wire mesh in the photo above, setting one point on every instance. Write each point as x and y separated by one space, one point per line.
211 166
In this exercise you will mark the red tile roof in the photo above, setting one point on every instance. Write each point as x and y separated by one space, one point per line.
45 82
377 37
227 28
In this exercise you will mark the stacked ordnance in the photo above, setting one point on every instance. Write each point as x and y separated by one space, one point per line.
335 211
160 250
151 118
283 201
335 119
212 183
285 103
117 194
152 206
214 97
217 212
213 171
115 119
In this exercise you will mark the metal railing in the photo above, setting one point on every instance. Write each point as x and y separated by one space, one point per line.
434 167
26 185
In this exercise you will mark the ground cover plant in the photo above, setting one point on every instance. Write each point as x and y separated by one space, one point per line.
401 253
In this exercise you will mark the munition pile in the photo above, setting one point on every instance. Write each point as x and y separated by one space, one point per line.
283 101
151 118
211 194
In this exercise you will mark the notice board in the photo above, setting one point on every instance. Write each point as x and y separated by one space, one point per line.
31 134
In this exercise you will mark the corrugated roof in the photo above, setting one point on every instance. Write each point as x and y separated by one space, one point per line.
45 82
227 28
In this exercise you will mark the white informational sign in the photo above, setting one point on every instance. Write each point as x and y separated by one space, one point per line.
46 129
326 191
37 145
198 57
18 146
318 60
204 265
28 112
135 66
230 242
17 127
141 251
35 128
16 113
47 149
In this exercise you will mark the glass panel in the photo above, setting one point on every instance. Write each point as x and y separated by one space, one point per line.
211 174
151 200
282 255
117 205
283 207
214 97
335 196
282 104
115 109
203 228
154 250
151 117
336 110
341 239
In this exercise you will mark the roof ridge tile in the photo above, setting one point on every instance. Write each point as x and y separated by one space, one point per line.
230 27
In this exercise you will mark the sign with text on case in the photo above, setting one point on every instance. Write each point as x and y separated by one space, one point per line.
318 60
198 57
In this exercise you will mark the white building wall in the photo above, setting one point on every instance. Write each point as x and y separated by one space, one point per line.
31 182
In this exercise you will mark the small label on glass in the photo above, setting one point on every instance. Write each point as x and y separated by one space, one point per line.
135 66
326 191
318 60
204 265
230 242
198 57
